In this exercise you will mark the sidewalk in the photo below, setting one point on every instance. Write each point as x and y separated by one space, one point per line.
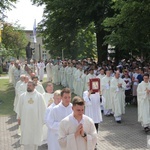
112 136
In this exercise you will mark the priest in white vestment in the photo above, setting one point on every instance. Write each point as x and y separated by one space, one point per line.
49 71
49 94
17 88
77 131
21 89
105 89
117 87
143 97
79 85
30 111
41 67
59 112
10 72
38 86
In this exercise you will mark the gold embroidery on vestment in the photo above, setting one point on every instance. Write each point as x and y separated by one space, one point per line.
30 101
50 101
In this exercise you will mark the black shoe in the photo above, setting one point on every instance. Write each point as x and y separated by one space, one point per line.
146 129
118 121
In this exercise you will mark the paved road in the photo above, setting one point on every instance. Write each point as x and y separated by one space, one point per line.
112 136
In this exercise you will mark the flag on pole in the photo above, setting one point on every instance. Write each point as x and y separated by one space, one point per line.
34 31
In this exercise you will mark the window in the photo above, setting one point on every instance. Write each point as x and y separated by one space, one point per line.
44 55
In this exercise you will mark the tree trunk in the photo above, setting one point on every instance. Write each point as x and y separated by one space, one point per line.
101 49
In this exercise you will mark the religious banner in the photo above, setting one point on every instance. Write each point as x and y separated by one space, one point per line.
95 84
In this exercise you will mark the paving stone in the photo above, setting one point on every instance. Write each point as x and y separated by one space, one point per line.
112 136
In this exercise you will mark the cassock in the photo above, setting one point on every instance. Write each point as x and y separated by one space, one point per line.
31 110
143 104
58 113
118 97
68 127
92 106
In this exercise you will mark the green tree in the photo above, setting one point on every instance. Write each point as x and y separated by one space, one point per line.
5 5
129 28
14 40
63 20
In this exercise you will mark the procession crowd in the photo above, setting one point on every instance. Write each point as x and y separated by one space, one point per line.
47 116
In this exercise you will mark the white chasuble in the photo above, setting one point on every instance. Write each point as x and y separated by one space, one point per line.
67 129
31 110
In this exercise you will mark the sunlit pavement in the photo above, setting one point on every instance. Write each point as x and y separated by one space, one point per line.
112 136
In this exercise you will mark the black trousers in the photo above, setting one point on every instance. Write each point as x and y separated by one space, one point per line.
96 126
128 96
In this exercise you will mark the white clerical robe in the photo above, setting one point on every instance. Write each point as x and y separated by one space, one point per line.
17 74
31 110
50 134
79 85
85 87
58 113
105 88
41 67
143 103
56 75
17 88
88 77
92 106
67 129
70 81
100 76
61 74
48 97
21 89
49 71
118 96
40 88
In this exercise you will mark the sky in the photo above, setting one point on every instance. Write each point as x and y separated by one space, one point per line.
25 13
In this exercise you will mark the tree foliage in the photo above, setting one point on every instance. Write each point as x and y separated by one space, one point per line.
14 41
64 20
5 5
129 27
